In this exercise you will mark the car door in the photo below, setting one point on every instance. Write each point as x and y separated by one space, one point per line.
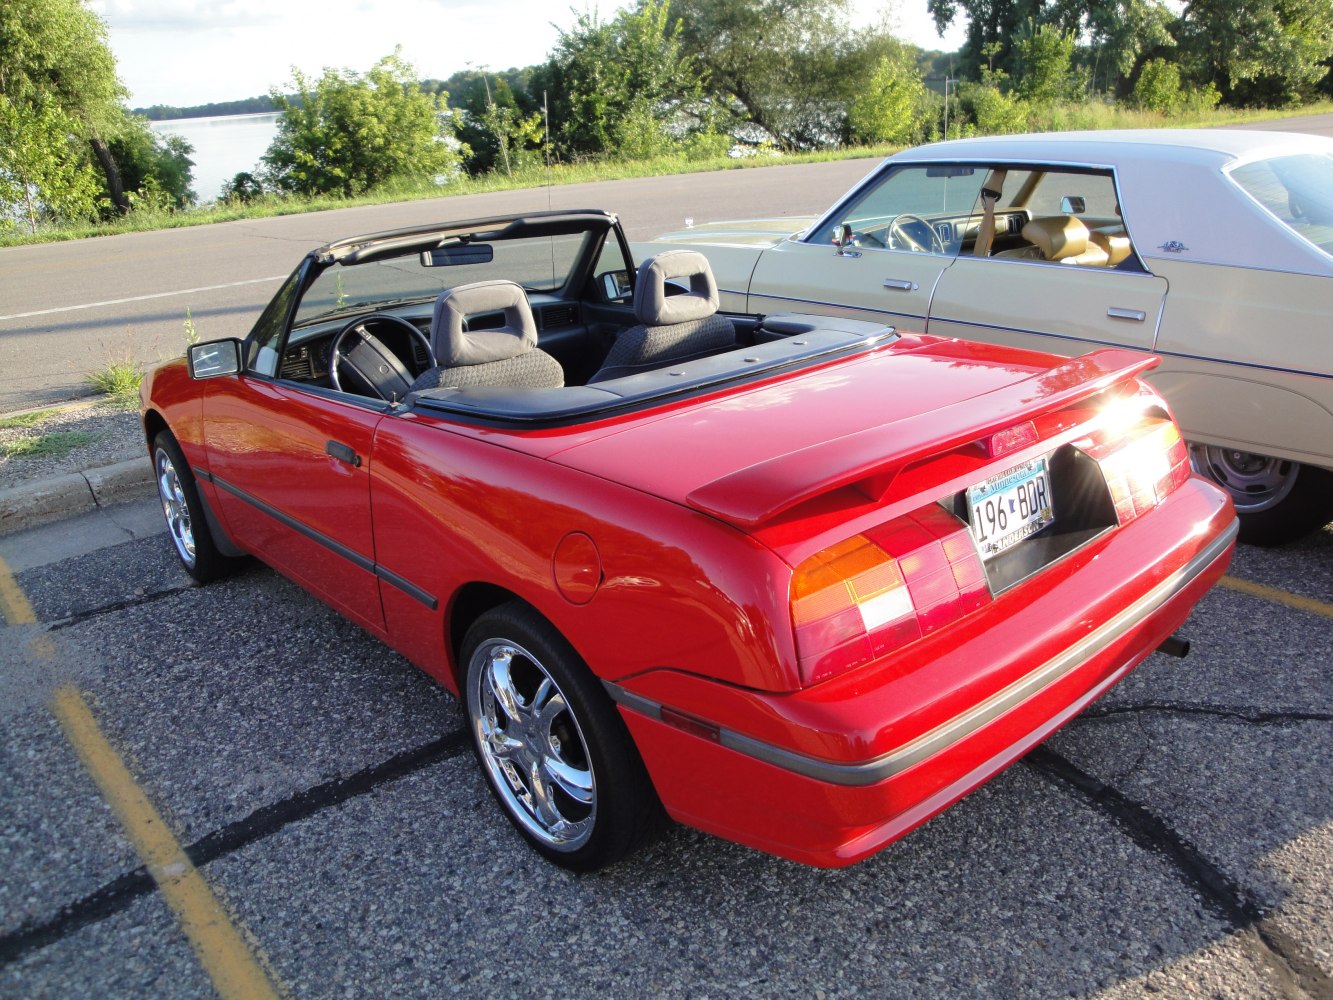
292 471
1086 290
895 237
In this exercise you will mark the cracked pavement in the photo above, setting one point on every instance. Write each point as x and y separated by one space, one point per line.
1175 839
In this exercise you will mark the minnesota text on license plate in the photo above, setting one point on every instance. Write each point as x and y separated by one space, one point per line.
1007 508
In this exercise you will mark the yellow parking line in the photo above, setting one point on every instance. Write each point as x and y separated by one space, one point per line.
230 964
1278 596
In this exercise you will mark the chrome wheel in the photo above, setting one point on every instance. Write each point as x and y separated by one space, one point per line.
531 745
175 507
1256 482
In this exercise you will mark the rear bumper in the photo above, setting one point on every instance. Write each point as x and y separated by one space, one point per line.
833 773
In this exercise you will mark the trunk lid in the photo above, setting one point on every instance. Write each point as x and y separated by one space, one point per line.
750 456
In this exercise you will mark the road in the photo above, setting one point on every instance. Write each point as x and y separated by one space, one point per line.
66 309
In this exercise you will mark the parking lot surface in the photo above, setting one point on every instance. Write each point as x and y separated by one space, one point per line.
1176 839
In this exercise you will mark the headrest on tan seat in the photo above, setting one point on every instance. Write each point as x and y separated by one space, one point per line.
1115 245
1058 236
652 305
453 345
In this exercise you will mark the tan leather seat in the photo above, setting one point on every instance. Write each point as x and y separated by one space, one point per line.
1116 245
1065 239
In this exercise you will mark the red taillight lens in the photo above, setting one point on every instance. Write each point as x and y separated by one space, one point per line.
877 591
1142 465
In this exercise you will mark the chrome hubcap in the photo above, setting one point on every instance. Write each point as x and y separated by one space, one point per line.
174 507
531 745
1255 482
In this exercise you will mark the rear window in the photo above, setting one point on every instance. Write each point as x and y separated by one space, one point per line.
1297 191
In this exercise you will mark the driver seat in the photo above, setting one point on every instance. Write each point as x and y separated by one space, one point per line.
672 328
502 352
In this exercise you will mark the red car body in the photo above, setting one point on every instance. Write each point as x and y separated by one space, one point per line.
664 542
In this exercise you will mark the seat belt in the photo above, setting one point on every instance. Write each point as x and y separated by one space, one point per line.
990 196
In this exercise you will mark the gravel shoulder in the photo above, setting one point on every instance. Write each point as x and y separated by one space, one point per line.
97 433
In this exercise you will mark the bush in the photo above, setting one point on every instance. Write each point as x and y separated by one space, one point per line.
345 134
242 189
1158 87
986 110
889 109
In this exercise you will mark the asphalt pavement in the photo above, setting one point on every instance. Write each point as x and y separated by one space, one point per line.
1176 839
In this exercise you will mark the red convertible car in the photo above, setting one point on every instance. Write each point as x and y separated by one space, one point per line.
797 581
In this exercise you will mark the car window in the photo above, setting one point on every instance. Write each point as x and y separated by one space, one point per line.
1066 217
263 344
613 270
1297 191
928 193
539 264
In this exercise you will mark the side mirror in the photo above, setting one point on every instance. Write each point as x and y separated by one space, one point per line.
217 357
1072 204
615 285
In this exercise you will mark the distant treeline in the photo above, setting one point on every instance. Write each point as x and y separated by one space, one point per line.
248 106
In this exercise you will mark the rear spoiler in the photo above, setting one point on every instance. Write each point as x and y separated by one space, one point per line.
761 492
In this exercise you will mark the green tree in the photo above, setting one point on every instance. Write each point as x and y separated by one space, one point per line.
40 175
622 86
153 168
790 67
892 105
345 134
55 50
1258 52
1045 57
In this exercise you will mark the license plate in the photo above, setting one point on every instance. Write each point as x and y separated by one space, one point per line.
1007 508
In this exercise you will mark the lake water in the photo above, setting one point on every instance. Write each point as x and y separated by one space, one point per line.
223 146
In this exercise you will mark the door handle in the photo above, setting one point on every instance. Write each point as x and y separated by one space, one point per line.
343 453
1135 315
901 285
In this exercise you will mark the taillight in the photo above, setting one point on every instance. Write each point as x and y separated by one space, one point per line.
1142 464
879 590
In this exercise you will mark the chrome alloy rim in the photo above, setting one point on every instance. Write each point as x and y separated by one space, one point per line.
174 507
1255 482
531 745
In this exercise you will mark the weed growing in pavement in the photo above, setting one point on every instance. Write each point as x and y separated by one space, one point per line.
52 445
191 334
120 380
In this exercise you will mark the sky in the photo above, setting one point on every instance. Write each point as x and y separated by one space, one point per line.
188 52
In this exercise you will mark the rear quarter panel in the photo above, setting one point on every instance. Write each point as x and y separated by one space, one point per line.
1247 358
677 589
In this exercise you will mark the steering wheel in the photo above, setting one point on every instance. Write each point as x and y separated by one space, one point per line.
898 231
370 368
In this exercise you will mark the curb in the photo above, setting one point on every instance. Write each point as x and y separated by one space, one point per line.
59 497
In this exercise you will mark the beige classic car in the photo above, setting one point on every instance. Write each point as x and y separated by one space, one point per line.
1212 249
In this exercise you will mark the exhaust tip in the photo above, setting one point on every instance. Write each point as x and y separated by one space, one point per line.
1175 645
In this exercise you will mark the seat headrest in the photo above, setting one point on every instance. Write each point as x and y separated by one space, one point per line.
652 305
1058 236
455 346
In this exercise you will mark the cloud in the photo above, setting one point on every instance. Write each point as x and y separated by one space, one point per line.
192 15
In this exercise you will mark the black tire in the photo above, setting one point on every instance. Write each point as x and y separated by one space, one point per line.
1277 501
558 759
184 512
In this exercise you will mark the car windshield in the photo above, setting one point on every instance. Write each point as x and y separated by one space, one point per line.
539 264
1297 190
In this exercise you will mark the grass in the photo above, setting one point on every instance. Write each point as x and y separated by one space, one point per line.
26 419
120 380
1088 115
53 445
